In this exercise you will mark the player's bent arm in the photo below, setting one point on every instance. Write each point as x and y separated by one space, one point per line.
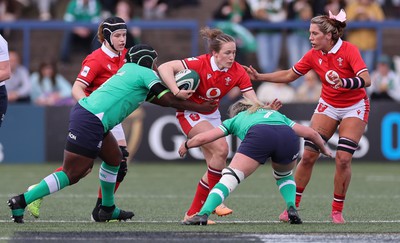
163 97
201 139
78 90
167 73
311 134
5 71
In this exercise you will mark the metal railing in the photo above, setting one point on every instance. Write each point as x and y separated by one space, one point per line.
191 25
28 26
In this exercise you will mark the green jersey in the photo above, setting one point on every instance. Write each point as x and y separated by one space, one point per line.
121 94
242 122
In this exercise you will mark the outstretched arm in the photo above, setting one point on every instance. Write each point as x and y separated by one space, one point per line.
309 133
201 139
281 76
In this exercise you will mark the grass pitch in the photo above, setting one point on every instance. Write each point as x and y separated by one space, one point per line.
159 194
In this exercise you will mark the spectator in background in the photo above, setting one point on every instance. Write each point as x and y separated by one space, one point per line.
126 11
318 7
267 92
365 39
298 43
334 6
229 15
391 8
44 7
49 87
10 10
385 82
19 85
269 42
154 9
80 11
310 90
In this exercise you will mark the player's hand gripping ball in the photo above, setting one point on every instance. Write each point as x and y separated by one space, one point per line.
332 77
187 79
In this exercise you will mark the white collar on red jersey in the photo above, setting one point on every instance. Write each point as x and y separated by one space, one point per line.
336 47
215 67
108 52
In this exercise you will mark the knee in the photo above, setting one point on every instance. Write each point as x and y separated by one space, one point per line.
231 178
309 158
343 160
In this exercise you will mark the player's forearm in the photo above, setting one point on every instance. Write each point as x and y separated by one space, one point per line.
275 77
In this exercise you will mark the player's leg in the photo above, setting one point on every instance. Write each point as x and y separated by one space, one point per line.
283 174
350 133
75 167
240 167
119 135
34 207
215 154
325 126
108 173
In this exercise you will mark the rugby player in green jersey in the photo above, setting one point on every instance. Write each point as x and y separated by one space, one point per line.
89 135
265 134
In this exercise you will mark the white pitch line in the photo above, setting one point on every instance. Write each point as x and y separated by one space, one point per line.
219 222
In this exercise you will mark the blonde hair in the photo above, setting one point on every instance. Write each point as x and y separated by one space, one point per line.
327 25
243 105
215 38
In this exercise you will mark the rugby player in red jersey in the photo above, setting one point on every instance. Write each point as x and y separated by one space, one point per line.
343 102
219 73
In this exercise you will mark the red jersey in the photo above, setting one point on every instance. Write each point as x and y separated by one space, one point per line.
99 66
216 83
346 61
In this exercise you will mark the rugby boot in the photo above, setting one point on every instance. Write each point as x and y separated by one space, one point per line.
222 210
293 216
337 217
17 205
196 220
107 214
187 217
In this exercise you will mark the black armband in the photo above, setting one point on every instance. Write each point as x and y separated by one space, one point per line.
353 83
186 145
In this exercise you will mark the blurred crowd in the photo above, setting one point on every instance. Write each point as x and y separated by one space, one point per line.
273 49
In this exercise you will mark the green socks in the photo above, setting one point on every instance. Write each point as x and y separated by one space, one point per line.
216 196
287 188
52 183
108 177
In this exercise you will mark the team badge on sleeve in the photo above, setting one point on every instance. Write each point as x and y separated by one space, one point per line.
85 71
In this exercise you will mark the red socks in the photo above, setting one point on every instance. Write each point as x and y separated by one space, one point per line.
199 198
213 176
338 202
299 194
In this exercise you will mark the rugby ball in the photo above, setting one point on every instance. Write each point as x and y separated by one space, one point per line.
187 79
